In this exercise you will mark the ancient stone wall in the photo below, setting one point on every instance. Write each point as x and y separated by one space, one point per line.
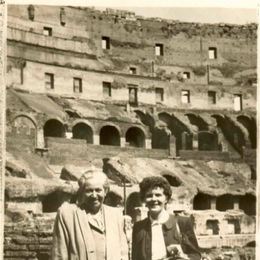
195 99
28 239
92 84
62 151
132 43
31 238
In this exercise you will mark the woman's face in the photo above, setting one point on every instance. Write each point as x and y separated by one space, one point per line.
155 200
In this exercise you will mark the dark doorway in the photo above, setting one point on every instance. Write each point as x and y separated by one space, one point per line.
83 131
213 226
248 204
225 202
207 141
109 135
234 226
201 201
135 137
54 128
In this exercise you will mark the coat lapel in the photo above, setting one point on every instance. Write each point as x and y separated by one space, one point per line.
148 239
86 233
171 234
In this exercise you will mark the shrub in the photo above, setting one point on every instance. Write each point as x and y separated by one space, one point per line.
199 70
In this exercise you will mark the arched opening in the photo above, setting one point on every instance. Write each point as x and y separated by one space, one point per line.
251 244
24 125
248 204
173 180
82 131
197 121
113 199
250 125
53 201
160 138
146 119
22 134
231 132
109 135
54 128
201 201
207 141
225 202
133 201
177 129
212 226
135 137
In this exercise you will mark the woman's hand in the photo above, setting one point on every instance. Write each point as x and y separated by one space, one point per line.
175 252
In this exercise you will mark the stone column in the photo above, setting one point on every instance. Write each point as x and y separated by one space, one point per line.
172 146
236 203
122 141
40 139
213 202
96 140
195 142
148 143
68 135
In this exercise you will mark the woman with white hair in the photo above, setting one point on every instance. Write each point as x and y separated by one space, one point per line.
88 229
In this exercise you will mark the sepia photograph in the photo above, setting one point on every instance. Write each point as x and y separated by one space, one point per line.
130 132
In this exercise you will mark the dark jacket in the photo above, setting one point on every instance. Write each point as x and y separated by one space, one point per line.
142 243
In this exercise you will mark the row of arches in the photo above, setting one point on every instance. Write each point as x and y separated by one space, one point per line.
247 203
173 131
109 135
214 132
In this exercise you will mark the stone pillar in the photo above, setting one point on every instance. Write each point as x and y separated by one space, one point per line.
236 203
122 141
128 108
195 142
68 135
96 140
213 203
40 139
172 146
224 146
148 143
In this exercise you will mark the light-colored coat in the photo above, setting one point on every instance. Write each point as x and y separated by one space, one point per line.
73 239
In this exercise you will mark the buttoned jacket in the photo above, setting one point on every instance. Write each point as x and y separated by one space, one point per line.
73 238
183 235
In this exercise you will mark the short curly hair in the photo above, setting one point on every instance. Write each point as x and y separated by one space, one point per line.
153 182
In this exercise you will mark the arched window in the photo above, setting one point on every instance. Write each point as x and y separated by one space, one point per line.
54 128
83 131
109 135
135 137
201 201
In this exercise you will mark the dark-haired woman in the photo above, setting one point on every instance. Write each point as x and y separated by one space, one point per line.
161 235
